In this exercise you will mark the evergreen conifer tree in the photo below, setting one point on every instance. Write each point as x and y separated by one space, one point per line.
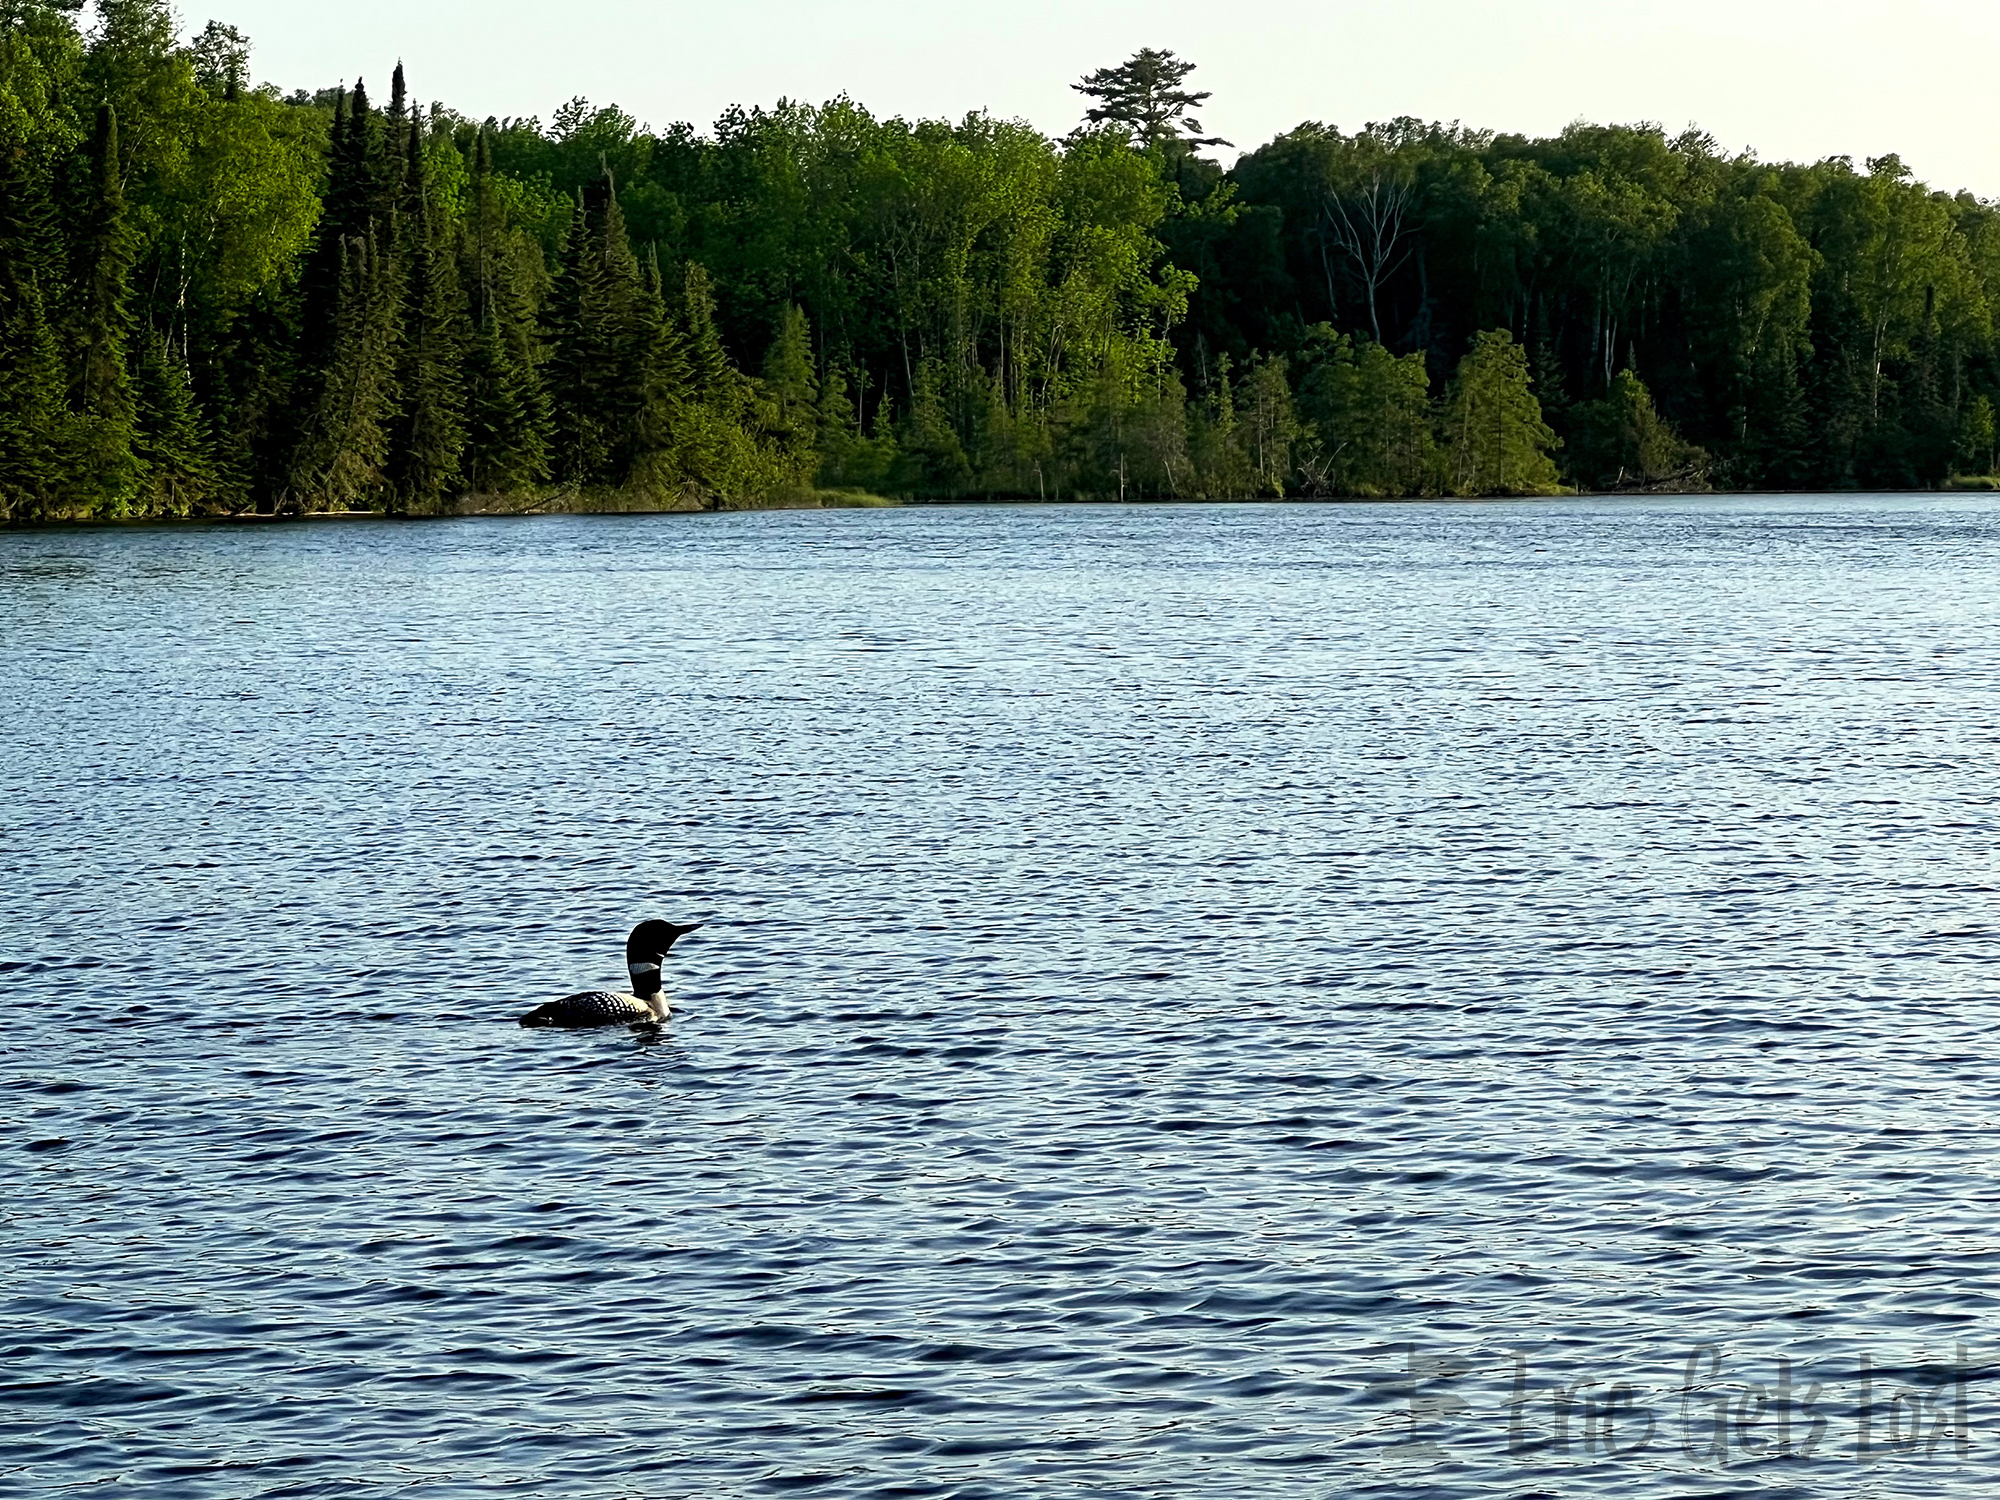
600 338
793 390
628 336
482 233
714 381
429 434
1927 417
1144 94
847 457
348 355
393 185
250 380
712 404
1774 428
170 439
495 417
656 460
1978 435
835 431
506 414
398 115
350 179
1493 425
221 58
108 471
347 211
1369 428
578 332
933 460
721 455
343 457
350 171
35 438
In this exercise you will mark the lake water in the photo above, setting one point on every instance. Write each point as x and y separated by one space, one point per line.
1196 1001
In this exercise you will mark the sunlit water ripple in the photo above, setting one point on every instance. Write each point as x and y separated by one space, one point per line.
1262 1001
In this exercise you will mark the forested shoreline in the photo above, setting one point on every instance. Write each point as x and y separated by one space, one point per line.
218 298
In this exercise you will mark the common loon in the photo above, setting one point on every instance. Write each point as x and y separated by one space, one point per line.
644 950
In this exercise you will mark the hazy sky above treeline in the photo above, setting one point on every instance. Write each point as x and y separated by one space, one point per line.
1796 79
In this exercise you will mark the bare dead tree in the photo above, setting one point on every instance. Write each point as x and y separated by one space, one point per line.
1369 224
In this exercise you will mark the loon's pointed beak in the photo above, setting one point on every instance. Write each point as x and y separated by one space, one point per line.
678 930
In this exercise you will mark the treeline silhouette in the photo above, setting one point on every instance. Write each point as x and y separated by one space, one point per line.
216 298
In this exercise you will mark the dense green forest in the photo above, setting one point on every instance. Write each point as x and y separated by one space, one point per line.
215 297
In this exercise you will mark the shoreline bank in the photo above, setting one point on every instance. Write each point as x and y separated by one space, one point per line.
473 508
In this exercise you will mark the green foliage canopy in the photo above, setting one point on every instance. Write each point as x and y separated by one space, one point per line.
214 297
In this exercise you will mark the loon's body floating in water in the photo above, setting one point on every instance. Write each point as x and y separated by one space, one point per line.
644 951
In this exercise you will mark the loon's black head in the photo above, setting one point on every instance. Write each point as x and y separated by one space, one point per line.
646 948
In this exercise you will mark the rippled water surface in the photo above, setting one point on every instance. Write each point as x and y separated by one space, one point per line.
1263 1001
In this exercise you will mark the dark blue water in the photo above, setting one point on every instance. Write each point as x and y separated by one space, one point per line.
1255 1001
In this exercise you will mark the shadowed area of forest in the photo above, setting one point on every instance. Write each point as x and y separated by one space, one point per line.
217 297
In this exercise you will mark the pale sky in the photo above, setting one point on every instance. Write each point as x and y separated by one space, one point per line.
1796 80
